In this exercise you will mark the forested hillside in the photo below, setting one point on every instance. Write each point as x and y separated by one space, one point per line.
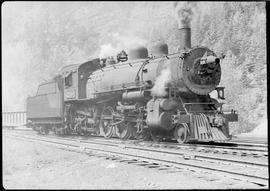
40 37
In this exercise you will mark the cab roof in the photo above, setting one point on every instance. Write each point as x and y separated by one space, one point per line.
93 64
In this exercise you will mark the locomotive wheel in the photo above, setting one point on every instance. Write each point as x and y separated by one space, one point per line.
43 130
144 135
106 121
47 131
66 130
123 131
155 138
55 130
34 128
97 131
181 133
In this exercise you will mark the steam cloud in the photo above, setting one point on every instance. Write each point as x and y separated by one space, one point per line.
107 50
159 89
119 43
183 13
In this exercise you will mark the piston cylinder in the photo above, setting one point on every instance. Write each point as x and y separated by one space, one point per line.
156 117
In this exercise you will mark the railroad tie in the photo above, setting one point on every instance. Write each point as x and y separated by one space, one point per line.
164 168
153 165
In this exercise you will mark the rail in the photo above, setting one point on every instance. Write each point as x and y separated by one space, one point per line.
256 173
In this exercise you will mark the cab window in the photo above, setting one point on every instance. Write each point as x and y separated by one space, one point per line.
68 80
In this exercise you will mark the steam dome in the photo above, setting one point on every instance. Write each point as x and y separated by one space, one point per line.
159 49
139 52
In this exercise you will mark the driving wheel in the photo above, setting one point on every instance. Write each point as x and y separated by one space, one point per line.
106 122
123 130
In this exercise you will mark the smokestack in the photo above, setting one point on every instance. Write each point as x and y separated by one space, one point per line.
183 15
185 38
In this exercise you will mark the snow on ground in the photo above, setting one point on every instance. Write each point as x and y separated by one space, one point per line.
29 165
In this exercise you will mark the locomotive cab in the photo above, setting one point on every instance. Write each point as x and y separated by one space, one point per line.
75 79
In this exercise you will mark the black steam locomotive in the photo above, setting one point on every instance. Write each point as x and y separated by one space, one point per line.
157 95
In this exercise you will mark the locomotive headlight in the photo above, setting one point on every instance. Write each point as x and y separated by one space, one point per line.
209 60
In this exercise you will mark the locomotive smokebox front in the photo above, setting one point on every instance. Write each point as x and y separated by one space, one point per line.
199 69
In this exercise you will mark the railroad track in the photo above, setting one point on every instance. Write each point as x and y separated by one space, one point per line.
236 149
246 151
243 170
241 139
249 142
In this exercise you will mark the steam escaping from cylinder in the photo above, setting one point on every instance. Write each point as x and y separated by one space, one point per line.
161 82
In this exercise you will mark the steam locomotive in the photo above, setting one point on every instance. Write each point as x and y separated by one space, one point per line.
149 95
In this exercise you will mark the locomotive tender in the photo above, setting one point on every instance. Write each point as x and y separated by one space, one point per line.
159 96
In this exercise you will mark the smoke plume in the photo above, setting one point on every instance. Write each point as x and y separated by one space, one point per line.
118 43
107 50
159 89
183 13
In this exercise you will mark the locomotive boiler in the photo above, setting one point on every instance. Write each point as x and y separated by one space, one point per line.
151 94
